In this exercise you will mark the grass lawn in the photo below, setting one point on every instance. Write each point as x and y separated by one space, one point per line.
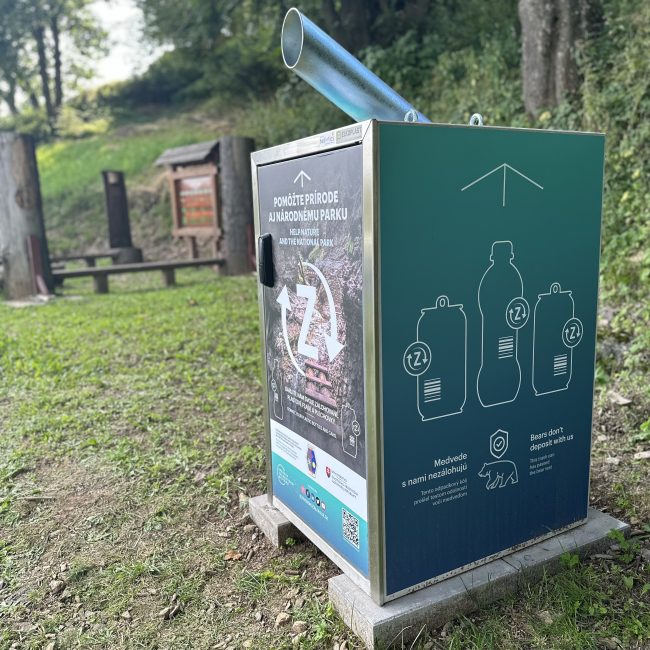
132 435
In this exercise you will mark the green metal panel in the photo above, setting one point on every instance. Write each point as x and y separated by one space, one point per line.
489 255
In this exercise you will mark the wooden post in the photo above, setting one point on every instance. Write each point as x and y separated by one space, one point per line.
100 280
236 194
193 248
169 277
117 211
21 220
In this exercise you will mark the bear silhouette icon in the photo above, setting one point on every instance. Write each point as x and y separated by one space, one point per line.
499 474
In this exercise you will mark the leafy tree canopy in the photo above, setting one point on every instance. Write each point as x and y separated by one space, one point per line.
46 47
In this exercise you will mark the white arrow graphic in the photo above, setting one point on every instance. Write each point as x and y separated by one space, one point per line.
331 342
284 301
505 167
301 177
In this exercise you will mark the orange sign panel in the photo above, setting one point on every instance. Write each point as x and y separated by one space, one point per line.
195 201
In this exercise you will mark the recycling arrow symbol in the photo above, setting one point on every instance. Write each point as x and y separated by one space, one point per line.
331 342
285 303
517 312
333 345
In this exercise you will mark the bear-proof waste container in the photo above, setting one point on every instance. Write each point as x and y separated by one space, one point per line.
428 298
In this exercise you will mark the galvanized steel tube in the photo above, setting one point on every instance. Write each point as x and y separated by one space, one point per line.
336 74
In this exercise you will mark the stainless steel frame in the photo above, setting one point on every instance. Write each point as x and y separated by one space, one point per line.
372 365
367 133
364 133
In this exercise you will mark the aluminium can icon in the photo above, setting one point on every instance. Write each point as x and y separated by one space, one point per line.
442 388
556 332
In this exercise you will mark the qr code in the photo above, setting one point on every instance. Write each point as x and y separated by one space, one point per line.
350 528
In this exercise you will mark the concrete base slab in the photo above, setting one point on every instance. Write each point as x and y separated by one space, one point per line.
275 526
401 620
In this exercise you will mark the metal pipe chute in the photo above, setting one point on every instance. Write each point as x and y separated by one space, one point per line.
340 77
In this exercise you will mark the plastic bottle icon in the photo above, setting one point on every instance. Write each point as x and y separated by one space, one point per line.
554 337
499 378
442 388
350 430
277 389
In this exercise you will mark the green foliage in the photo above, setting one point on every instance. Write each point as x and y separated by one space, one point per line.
220 47
628 548
232 49
72 123
616 99
168 80
644 433
33 121
129 386
570 560
406 55
468 81
45 50
294 112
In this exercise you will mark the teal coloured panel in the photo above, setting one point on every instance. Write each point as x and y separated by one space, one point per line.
489 258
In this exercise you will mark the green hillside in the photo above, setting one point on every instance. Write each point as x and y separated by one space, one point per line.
70 171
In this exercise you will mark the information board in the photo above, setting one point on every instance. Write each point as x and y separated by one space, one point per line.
312 207
489 286
195 199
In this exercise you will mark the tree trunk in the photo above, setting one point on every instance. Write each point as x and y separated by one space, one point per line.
357 20
331 19
58 77
11 100
236 203
351 25
23 244
550 30
39 37
9 97
571 28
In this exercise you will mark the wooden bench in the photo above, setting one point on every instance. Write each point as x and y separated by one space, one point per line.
100 273
89 258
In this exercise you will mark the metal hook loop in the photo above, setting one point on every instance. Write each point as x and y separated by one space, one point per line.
411 115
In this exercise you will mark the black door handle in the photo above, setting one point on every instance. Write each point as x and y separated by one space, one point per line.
265 260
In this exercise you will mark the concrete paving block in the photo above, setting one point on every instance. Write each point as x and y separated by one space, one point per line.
400 621
275 526
545 556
